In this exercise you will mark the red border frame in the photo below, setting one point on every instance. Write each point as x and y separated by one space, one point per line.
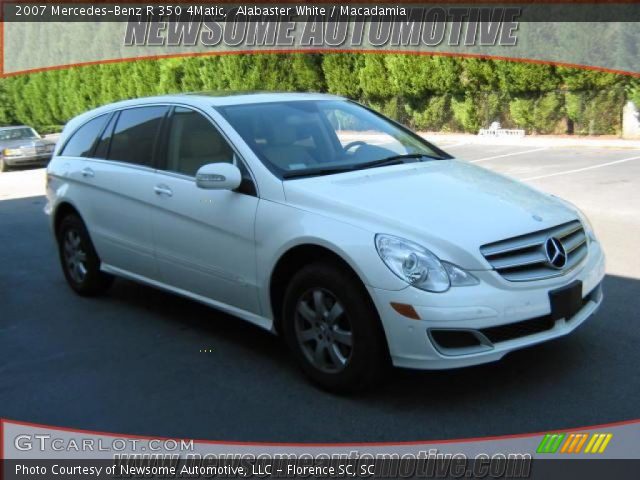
348 444
2 448
300 51
200 54
310 50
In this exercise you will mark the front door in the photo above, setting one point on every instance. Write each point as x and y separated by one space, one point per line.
204 239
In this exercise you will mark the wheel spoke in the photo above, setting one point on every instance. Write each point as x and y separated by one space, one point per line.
76 270
73 271
318 303
307 335
82 270
342 336
336 356
306 312
335 313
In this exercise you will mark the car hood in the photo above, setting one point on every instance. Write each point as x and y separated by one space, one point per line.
25 142
449 206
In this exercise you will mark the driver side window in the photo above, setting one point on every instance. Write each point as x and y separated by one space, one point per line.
193 142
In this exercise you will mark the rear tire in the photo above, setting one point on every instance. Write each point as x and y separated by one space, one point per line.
78 258
333 329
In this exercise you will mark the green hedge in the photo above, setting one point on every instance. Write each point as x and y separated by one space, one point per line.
425 92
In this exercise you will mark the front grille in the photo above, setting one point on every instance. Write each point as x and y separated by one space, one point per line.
523 258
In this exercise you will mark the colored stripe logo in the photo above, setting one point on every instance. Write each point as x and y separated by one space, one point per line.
574 443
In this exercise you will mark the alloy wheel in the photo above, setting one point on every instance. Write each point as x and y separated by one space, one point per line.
323 330
74 255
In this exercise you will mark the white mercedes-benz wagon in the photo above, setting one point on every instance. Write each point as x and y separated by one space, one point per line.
314 217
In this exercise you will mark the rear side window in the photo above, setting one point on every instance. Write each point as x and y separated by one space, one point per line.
135 134
102 148
82 141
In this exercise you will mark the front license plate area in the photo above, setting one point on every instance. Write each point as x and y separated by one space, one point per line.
566 301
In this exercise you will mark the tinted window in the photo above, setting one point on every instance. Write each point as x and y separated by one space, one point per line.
194 142
135 135
81 142
102 149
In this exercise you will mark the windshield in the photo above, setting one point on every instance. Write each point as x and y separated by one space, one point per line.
25 133
300 138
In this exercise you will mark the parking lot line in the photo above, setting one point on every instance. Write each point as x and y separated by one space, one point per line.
576 170
508 155
454 145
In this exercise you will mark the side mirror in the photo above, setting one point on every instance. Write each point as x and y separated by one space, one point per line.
218 176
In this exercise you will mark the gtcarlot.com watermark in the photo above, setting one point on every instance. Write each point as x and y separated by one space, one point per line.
49 443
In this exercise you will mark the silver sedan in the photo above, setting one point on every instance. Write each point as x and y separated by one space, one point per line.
23 146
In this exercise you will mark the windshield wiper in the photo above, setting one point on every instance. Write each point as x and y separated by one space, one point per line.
310 172
393 160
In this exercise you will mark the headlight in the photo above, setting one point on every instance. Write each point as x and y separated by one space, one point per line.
418 266
588 227
459 277
586 223
12 152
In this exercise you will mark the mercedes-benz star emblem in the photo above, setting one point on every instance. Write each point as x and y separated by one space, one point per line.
556 254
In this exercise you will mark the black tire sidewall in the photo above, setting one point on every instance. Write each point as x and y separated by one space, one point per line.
369 356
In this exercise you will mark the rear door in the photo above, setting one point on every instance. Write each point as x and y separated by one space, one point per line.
72 165
204 240
122 174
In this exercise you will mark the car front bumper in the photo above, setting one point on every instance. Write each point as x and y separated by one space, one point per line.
39 159
502 316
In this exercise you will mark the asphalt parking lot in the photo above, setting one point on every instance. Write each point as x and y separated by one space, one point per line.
132 361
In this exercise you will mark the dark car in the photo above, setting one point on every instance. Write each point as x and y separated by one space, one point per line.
23 146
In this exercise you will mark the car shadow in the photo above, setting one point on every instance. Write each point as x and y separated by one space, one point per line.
536 367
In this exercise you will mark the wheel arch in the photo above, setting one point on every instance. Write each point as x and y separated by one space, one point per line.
291 261
63 209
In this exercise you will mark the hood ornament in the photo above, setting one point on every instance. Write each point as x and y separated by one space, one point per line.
556 254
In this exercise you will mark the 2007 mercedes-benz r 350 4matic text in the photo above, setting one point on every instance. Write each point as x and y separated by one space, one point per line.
319 219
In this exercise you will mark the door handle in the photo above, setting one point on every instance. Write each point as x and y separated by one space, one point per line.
88 172
163 190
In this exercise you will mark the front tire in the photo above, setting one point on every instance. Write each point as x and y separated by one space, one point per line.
78 258
333 329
